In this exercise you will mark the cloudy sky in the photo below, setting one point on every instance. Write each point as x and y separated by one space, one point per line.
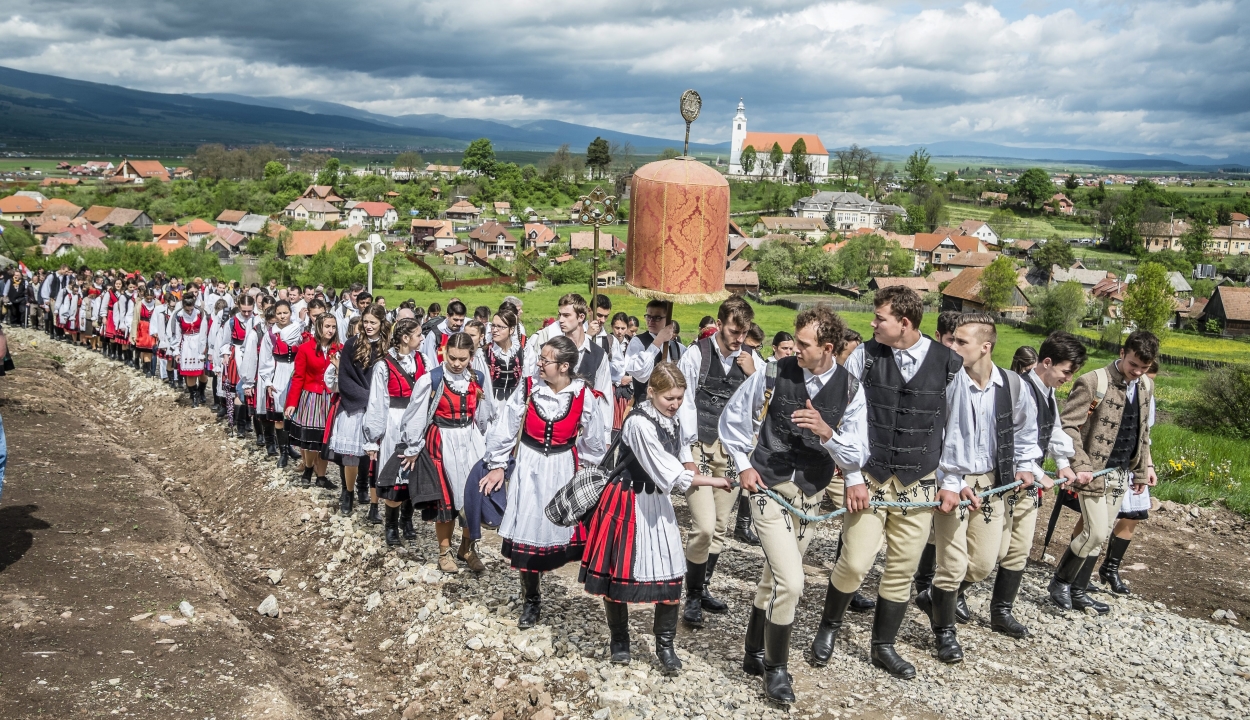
1132 76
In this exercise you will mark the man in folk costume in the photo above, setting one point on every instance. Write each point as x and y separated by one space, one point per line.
652 346
436 340
714 368
1060 356
190 343
990 442
1106 415
814 418
905 376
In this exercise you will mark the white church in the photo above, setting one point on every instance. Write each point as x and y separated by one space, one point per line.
763 142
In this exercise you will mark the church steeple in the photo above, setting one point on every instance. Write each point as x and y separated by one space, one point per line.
737 137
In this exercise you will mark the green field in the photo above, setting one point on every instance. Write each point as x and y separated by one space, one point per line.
1020 227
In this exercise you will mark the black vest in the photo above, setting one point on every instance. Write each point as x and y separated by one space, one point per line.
674 352
1045 415
906 420
505 373
1126 438
631 472
1004 432
588 366
714 389
787 452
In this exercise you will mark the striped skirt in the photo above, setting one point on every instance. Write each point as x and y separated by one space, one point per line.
633 551
307 428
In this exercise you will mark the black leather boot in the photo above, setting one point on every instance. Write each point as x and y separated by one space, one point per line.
1006 586
836 603
962 615
271 446
943 623
241 418
405 521
665 629
776 655
531 609
753 651
282 440
372 516
926 569
345 500
324 482
392 526
305 477
1080 588
195 400
362 484
743 530
695 572
1109 572
925 602
711 604
618 627
861 604
1060 588
885 625
262 433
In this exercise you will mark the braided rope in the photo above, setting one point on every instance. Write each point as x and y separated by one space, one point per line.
906 505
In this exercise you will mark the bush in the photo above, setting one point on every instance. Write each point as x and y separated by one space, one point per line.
1221 403
1061 307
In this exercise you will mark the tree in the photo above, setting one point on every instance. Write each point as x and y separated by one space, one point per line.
918 171
1224 215
1055 251
1148 298
1034 187
409 161
329 174
1221 403
598 155
865 256
479 157
799 163
998 284
669 153
747 159
776 157
1072 183
1195 240
1204 288
274 169
1061 307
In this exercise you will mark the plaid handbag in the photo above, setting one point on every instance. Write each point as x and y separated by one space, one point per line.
574 502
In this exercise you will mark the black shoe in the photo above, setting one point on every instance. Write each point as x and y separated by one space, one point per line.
885 625
861 604
362 489
345 502
281 443
231 431
836 603
392 526
665 629
405 521
695 572
618 627
943 623
925 602
753 651
324 483
271 449
1109 572
709 603
962 615
305 477
372 516
776 655
195 400
1006 586
927 568
291 451
531 608
743 531
1080 588
1061 584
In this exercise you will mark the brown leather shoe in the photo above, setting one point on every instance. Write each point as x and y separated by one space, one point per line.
468 553
447 563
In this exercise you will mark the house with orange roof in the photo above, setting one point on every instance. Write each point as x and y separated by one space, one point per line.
81 237
304 243
49 182
963 294
762 142
169 238
137 171
19 208
936 249
433 234
197 230
225 242
323 192
230 218
539 237
373 215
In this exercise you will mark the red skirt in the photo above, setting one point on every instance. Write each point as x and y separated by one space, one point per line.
443 509
608 561
143 336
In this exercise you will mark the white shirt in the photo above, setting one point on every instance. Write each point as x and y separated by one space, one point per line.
503 433
848 446
429 345
1131 391
668 472
908 360
1059 446
970 443
690 363
640 360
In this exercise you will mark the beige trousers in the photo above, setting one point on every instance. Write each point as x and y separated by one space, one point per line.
784 539
905 532
1099 512
1018 526
710 508
968 540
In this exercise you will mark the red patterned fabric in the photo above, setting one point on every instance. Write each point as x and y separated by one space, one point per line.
558 431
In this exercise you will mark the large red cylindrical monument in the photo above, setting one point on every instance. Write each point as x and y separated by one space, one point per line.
678 232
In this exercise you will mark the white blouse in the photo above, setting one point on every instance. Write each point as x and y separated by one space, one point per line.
502 436
664 469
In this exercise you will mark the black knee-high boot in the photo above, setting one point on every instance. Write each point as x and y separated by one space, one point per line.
195 399
282 441
271 448
665 628
618 628
533 599
392 526
1109 572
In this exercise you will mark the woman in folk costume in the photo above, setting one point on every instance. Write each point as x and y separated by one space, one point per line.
218 316
442 435
145 343
230 351
249 374
190 343
67 309
308 402
350 377
112 317
273 375
164 320
633 547
503 354
394 376
561 423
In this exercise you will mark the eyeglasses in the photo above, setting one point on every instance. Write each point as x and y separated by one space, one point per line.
656 318
504 328
544 362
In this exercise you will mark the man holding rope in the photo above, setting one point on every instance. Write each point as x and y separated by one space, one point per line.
1106 415
813 418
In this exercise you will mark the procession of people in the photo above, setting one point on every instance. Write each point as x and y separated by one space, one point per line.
935 452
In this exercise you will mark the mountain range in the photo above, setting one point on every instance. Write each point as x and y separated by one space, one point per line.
46 113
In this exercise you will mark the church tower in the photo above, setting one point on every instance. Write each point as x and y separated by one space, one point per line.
736 138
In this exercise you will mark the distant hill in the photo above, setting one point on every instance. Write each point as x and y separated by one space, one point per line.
531 135
1103 158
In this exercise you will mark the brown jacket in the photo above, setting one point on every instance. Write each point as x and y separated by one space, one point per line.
1093 434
